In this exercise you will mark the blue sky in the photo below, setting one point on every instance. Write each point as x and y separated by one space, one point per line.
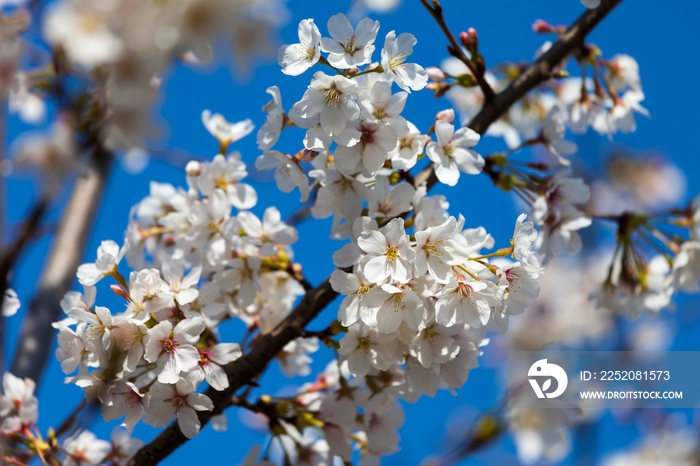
663 41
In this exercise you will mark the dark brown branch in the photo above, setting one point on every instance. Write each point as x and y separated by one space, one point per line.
33 349
535 74
250 366
10 254
456 50
242 371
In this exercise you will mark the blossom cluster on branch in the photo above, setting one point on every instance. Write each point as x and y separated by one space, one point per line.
423 289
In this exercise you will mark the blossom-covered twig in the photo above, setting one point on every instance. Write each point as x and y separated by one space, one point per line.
535 74
456 50
248 367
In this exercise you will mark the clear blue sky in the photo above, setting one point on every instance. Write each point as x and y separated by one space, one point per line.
663 39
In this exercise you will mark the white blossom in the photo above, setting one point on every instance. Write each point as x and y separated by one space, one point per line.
349 47
408 76
389 254
172 348
452 154
297 58
178 400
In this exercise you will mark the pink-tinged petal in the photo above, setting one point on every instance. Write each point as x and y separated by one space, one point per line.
224 353
168 370
156 334
200 402
160 414
188 422
189 330
215 376
186 358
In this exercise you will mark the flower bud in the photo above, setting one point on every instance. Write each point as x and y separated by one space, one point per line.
193 168
447 115
435 73
542 27
119 291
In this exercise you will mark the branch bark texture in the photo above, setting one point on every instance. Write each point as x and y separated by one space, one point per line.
32 352
252 365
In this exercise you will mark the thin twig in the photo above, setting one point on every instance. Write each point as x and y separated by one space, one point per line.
456 50
254 363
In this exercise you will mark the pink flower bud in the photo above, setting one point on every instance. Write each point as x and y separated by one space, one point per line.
435 73
193 168
119 291
543 27
464 38
447 115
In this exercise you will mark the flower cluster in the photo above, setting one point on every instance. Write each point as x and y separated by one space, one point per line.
195 266
19 410
607 101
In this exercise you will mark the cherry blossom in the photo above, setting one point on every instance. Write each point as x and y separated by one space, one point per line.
85 448
369 154
391 306
405 155
288 173
109 254
211 360
389 254
553 130
178 400
172 348
268 233
269 133
225 132
349 47
408 76
467 301
297 58
330 98
452 154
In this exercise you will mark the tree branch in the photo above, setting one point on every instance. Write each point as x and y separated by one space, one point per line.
535 74
33 349
456 50
255 362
